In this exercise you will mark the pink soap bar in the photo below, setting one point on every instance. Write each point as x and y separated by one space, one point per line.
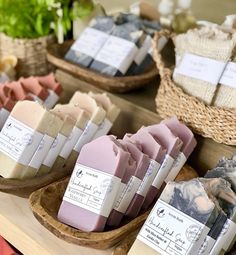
115 216
173 145
142 163
5 248
19 92
94 183
189 143
33 86
156 153
6 95
49 82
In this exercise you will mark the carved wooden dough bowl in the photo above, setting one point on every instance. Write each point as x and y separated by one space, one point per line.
56 53
45 204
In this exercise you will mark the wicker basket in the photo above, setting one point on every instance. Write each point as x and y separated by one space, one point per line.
208 121
31 54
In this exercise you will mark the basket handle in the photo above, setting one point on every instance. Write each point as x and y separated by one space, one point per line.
156 53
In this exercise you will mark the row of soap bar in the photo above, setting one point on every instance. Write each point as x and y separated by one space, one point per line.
115 46
35 139
200 216
45 90
116 178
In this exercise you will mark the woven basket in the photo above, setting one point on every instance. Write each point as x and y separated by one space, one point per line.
208 121
31 54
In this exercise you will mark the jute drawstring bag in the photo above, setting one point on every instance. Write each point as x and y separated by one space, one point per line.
208 42
226 95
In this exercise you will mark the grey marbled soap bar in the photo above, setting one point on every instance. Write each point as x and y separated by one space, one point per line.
90 41
119 51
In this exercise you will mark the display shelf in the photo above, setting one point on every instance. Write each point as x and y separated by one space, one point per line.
19 227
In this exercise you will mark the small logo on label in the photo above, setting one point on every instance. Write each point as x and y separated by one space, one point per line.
55 142
9 125
160 212
79 174
193 233
203 247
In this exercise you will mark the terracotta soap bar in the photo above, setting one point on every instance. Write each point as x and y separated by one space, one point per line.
156 153
93 185
20 137
112 113
19 93
179 221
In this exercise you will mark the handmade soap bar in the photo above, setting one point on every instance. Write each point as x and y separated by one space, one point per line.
96 114
50 133
93 185
112 112
54 89
179 221
118 53
33 87
189 143
91 40
142 163
173 145
81 118
20 137
58 143
18 92
156 153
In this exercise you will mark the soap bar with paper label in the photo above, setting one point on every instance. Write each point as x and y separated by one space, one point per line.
156 153
96 114
58 143
54 89
112 112
18 91
93 185
172 144
179 221
20 137
125 198
32 86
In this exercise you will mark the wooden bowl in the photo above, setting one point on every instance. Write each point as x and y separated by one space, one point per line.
45 204
56 53
25 187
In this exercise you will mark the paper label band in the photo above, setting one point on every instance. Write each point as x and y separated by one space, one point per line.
143 51
4 114
118 53
169 231
163 171
86 136
70 142
206 246
103 129
41 152
19 141
51 100
54 151
148 178
229 76
127 194
90 42
92 190
201 68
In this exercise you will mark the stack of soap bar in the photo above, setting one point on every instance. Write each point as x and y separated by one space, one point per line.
173 145
20 137
151 147
94 184
125 197
179 221
112 112
91 40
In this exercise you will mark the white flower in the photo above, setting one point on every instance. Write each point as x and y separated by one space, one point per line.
184 4
166 7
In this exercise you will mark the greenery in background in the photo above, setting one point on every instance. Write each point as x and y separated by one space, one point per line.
36 18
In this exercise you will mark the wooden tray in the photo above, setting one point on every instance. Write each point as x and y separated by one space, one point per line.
25 187
45 204
56 53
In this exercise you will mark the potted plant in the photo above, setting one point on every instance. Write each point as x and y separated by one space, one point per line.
28 26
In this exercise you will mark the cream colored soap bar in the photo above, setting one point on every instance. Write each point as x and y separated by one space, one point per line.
50 133
20 137
97 115
112 112
52 157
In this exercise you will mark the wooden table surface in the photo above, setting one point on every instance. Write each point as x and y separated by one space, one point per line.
22 230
